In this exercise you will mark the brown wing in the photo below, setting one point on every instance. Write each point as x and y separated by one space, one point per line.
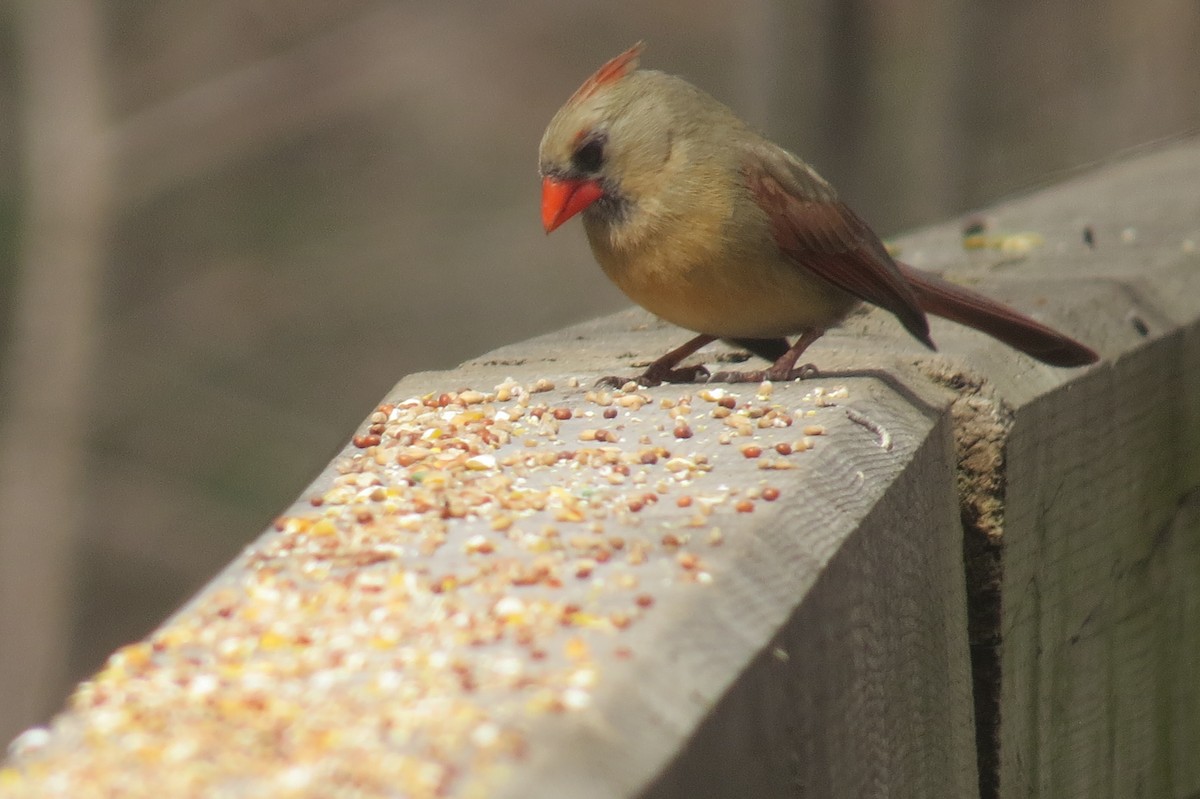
820 233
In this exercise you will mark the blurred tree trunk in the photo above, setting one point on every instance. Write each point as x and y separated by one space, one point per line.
48 377
865 91
919 108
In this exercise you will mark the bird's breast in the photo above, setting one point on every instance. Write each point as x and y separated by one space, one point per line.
700 277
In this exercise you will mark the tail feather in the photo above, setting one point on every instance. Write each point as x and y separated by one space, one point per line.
943 298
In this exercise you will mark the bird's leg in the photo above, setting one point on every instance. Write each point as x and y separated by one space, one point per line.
662 371
783 368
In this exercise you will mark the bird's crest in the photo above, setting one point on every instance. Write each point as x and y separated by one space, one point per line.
612 71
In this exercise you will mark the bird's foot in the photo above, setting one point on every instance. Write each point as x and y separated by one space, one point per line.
614 382
804 372
655 377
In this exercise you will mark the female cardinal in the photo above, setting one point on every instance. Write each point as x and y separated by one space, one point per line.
710 226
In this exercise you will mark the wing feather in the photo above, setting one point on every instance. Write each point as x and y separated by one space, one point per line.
819 232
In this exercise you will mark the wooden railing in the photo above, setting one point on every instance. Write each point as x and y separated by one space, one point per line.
928 575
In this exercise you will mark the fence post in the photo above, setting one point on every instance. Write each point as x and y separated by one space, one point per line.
527 587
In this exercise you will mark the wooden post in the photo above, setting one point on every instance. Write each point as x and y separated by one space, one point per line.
526 587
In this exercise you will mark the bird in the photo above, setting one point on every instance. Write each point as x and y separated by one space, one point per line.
703 221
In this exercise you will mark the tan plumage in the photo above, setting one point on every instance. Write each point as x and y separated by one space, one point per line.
710 226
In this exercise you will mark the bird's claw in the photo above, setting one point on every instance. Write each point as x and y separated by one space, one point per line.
650 378
686 374
613 381
805 371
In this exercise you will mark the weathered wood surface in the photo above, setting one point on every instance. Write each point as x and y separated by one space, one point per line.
834 613
1100 649
486 628
1085 554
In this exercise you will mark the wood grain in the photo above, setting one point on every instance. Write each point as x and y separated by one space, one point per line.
827 652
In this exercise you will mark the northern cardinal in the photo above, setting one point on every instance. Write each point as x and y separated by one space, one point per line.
710 226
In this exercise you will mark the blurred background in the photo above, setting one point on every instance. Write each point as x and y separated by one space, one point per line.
227 228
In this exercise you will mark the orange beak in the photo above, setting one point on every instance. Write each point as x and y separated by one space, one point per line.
562 199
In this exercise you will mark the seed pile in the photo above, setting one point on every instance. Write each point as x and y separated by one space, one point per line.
469 568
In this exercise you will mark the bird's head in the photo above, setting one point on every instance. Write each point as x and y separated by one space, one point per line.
606 148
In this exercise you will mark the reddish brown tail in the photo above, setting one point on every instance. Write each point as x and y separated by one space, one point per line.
958 304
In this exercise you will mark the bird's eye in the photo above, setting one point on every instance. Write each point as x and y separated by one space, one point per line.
589 157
